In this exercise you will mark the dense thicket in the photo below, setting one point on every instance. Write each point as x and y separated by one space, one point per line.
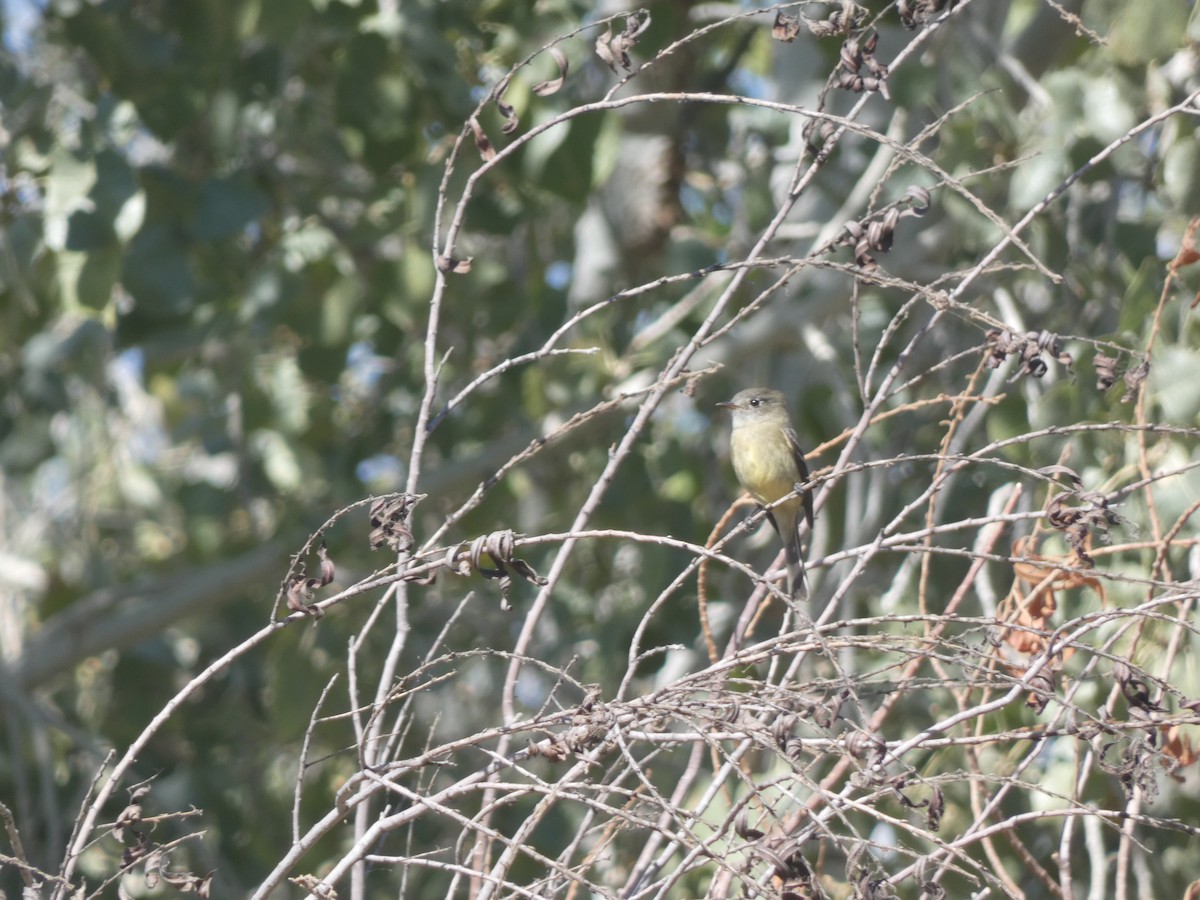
417 311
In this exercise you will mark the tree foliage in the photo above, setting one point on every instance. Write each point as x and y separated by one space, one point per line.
367 519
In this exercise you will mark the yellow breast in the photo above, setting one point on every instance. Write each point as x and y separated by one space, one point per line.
762 460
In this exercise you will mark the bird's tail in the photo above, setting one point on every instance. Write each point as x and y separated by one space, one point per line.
797 578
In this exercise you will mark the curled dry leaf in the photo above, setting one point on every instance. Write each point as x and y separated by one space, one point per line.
789 865
877 236
1041 689
315 887
1135 689
1133 379
866 746
498 547
1178 745
858 69
614 49
551 749
327 567
1188 254
1024 616
918 199
486 150
845 20
143 852
604 51
786 28
1040 576
1106 370
130 818
1029 347
187 883
452 266
1001 343
1193 705
299 592
389 522
787 742
817 133
914 13
1079 523
511 120
546 88
300 587
935 810
741 827
1137 695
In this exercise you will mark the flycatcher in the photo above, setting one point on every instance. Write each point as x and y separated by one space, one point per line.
769 463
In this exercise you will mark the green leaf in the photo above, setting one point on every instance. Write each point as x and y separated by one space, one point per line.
157 272
67 185
226 206
88 279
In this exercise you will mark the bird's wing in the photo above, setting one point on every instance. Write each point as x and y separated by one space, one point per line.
802 468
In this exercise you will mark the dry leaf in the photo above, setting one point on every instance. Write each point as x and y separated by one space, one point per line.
546 88
785 28
486 150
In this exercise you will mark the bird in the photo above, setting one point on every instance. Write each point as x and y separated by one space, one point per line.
769 464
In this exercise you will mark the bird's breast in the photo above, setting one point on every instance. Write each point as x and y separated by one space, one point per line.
762 460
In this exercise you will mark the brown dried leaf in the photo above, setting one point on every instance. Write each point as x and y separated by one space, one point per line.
130 817
299 592
1135 690
1033 598
937 806
919 12
1106 370
486 150
614 49
604 51
1187 255
1041 689
821 27
389 522
187 883
741 827
1178 746
546 88
918 199
1002 344
1133 379
315 887
511 120
452 266
786 28
620 46
492 557
862 256
327 568
880 234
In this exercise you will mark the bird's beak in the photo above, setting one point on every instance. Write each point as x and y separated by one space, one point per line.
727 404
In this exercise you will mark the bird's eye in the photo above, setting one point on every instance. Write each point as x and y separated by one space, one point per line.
755 401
